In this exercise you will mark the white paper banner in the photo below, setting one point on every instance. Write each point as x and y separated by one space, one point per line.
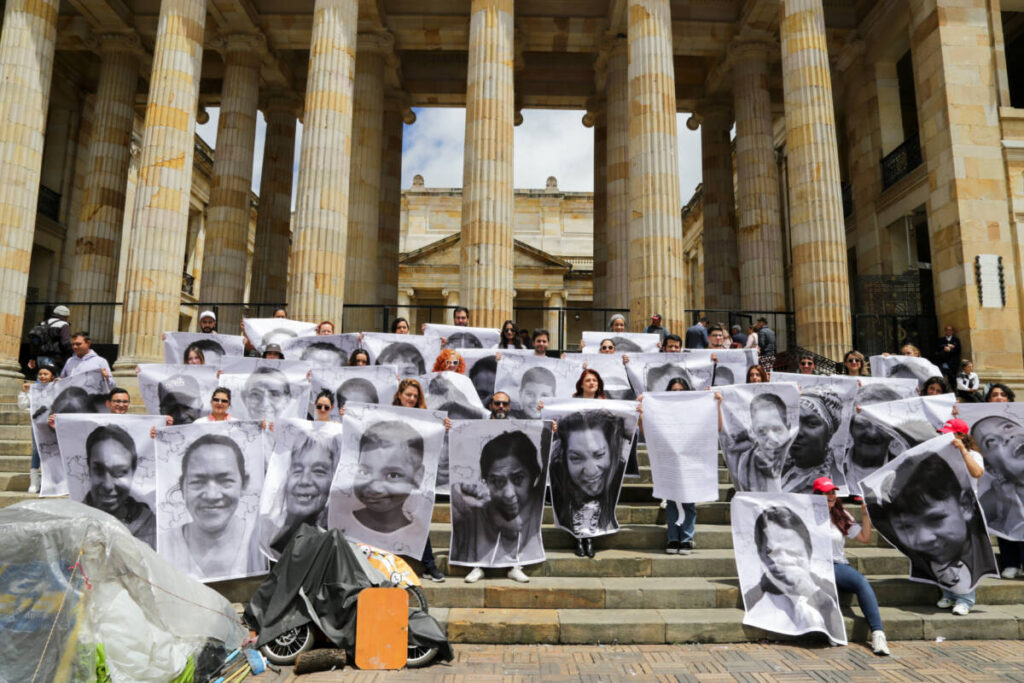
625 342
910 367
178 345
682 444
759 423
458 337
613 374
322 351
181 391
453 393
266 389
654 371
412 354
263 331
528 379
481 367
360 384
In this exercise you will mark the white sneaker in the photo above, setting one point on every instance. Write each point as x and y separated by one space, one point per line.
1008 573
944 603
961 609
879 645
517 574
475 575
33 480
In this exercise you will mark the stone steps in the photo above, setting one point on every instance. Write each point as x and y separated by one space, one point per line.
14 481
16 446
16 432
15 463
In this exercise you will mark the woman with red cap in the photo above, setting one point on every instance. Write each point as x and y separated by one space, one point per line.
848 579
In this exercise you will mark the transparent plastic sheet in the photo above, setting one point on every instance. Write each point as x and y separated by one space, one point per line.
72 577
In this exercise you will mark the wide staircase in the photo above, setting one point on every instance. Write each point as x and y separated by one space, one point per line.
632 591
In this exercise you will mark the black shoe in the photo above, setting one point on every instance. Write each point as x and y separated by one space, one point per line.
672 548
686 547
590 547
581 547
434 574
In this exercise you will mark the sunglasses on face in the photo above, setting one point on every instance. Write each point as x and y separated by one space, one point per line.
321 406
853 361
499 404
607 348
806 364
219 400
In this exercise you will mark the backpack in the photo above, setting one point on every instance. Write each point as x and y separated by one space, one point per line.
42 341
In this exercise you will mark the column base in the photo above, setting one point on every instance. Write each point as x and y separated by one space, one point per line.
11 381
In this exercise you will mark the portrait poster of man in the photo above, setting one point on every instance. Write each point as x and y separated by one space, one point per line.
411 354
909 367
453 393
498 473
297 485
588 460
759 424
682 444
383 489
481 366
998 429
359 384
111 466
182 392
321 351
827 404
458 337
729 366
784 562
266 388
85 392
923 504
208 482
263 331
653 371
214 347
902 387
613 374
529 379
625 342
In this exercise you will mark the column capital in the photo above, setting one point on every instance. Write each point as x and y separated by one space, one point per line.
408 291
613 43
235 44
108 43
399 100
595 111
753 46
376 42
449 292
281 101
714 113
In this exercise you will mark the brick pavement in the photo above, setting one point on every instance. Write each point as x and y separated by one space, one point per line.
948 662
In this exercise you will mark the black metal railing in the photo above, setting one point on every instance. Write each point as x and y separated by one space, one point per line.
901 161
876 334
48 203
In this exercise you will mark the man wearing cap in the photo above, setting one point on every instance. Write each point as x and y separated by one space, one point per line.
656 328
85 359
179 399
207 322
57 346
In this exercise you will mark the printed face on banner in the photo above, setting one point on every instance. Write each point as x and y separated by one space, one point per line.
784 562
454 394
729 366
529 379
263 331
613 373
998 430
180 348
464 337
923 504
411 354
269 389
183 393
481 367
625 342
321 351
359 384
906 367
209 478
759 423
655 371
499 470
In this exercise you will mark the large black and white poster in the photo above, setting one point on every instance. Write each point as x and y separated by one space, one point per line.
498 473
297 485
784 561
625 342
263 331
923 504
184 393
654 371
208 482
529 379
869 445
457 337
265 388
588 459
481 367
910 367
721 367
613 374
85 392
412 354
682 445
895 389
321 351
759 424
359 384
383 490
178 346
998 429
111 466
453 393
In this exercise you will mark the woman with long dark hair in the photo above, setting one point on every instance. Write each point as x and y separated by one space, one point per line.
510 336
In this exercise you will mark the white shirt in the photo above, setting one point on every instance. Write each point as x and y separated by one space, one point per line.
207 418
839 541
980 462
90 361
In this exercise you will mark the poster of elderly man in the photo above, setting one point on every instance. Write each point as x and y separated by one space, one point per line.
208 482
923 504
110 463
625 342
784 561
758 425
269 389
85 392
263 331
588 460
910 367
998 430
453 393
499 469
411 354
297 484
359 384
198 348
383 489
458 337
528 380
321 351
182 393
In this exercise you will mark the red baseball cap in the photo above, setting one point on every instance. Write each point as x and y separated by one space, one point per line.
956 426
824 485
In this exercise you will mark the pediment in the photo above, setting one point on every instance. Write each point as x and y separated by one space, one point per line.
445 252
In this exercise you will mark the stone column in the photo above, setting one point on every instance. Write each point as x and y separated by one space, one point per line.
316 287
153 278
273 220
227 218
721 270
554 300
26 64
404 300
656 281
451 298
396 115
617 175
98 243
758 218
601 284
821 294
487 195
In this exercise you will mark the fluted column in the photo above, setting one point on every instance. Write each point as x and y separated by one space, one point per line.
487 195
600 122
396 115
26 64
227 218
721 270
273 219
759 241
821 294
153 278
554 301
98 243
617 175
316 286
656 281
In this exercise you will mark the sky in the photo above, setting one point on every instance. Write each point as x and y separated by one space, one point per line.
548 143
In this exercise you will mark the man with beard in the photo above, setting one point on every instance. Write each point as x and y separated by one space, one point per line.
207 322
500 405
496 521
820 412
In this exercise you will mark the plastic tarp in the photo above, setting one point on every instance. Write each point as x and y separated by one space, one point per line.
73 581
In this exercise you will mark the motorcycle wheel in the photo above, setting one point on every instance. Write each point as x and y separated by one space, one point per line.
286 648
418 656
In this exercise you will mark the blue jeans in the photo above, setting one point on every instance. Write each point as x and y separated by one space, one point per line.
959 597
682 533
849 580
35 454
428 556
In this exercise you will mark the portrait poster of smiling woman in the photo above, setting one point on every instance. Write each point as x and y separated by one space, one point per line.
208 482
588 458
